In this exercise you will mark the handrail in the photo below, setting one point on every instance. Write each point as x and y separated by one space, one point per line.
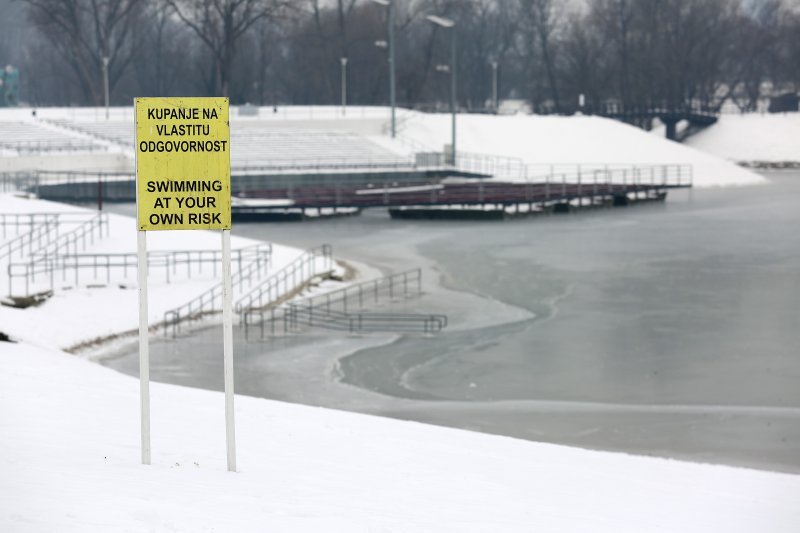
654 175
310 264
320 310
52 145
97 222
353 323
365 321
393 285
211 300
42 257
41 225
49 264
493 165
32 239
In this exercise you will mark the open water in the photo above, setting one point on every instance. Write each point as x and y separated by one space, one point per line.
663 329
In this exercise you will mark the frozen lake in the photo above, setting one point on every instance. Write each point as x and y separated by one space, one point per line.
667 330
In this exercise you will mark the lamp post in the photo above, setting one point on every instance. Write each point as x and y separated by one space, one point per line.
494 85
105 83
344 85
390 4
449 24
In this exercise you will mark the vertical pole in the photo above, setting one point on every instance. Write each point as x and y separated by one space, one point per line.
105 83
391 67
494 86
227 348
144 348
344 85
453 90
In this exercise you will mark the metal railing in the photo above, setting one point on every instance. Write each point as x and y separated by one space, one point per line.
42 232
653 175
335 309
102 265
407 284
94 227
45 146
23 220
210 301
18 181
44 229
51 246
294 276
365 322
490 165
326 163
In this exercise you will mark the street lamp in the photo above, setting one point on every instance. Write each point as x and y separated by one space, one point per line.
105 82
449 24
344 85
494 85
390 4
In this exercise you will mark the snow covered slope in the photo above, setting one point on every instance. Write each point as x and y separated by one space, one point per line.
752 139
573 140
69 461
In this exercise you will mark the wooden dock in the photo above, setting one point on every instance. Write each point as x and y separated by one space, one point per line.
462 199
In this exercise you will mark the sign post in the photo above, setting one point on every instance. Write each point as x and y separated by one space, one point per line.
183 182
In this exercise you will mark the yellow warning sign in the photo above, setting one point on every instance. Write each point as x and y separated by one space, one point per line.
183 163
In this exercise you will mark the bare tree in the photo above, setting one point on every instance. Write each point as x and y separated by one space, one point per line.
615 19
631 52
220 24
539 25
83 32
586 66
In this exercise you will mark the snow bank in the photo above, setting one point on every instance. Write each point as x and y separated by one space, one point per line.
545 140
77 313
69 461
752 138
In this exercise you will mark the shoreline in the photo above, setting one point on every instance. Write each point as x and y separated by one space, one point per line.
325 384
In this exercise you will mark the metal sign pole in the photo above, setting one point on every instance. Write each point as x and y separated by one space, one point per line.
227 348
167 200
144 349
144 323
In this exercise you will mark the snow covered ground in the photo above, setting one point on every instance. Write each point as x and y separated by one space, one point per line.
539 141
753 139
578 140
69 429
69 461
69 453
73 315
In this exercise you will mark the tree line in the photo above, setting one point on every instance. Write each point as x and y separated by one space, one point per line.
633 53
